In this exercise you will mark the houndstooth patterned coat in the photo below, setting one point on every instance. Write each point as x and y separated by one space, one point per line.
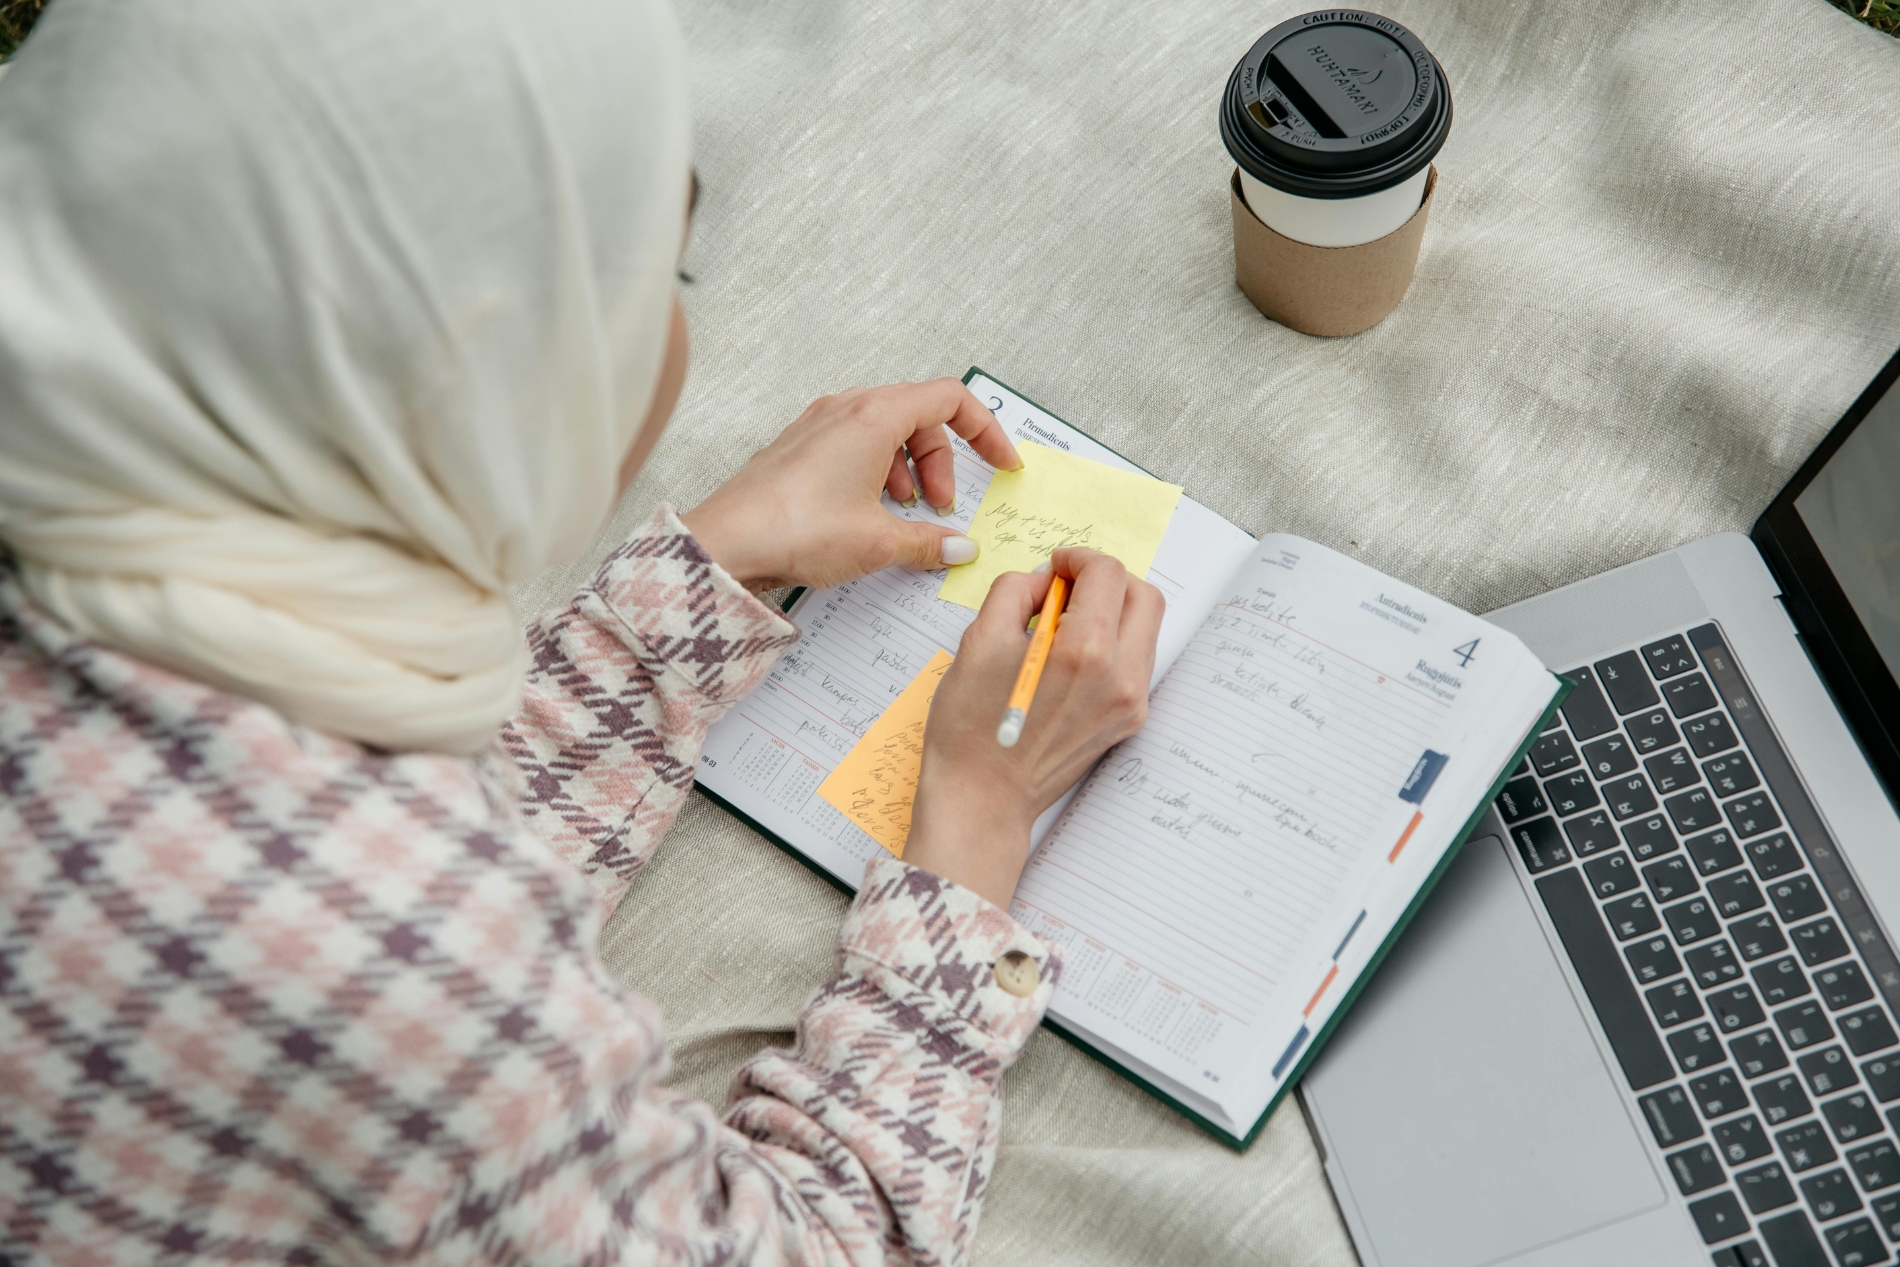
269 997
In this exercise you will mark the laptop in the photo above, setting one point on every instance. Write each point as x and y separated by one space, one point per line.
1652 1014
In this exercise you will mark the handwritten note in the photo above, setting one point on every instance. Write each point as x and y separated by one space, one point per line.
877 780
1059 499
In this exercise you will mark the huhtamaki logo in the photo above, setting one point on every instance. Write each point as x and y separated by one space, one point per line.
1348 79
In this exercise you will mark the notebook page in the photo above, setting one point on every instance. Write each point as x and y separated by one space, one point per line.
862 644
1212 863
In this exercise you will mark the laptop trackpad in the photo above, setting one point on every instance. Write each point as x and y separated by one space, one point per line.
1466 1105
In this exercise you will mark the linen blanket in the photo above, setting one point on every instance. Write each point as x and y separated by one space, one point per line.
1663 256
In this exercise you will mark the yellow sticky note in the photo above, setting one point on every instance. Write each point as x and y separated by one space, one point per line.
877 780
1059 499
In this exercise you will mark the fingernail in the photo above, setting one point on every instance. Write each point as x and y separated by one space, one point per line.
909 502
947 511
957 550
1040 567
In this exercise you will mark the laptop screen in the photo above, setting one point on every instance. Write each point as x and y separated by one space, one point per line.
1852 510
1832 540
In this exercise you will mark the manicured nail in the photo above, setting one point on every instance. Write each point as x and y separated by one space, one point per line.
947 511
957 550
909 502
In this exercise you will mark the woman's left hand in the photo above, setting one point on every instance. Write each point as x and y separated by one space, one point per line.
806 510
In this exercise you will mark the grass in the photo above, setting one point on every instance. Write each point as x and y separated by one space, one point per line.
17 16
16 19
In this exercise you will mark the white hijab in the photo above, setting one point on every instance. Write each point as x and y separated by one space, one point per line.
321 324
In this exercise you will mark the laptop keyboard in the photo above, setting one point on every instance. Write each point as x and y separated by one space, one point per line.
1732 961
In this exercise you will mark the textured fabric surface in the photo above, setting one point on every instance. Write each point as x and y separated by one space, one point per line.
268 996
1659 265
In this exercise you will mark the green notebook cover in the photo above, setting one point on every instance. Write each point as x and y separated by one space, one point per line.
1560 690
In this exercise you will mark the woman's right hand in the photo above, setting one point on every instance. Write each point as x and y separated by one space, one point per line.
977 800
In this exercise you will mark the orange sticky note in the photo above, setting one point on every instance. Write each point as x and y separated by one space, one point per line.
877 780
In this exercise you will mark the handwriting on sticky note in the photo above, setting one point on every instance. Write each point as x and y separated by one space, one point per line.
1060 499
877 780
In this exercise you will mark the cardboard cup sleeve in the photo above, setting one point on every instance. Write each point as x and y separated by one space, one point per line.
1325 290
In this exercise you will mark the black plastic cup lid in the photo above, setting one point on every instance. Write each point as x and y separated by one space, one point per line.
1336 104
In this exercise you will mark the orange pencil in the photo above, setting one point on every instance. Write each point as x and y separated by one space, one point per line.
1011 728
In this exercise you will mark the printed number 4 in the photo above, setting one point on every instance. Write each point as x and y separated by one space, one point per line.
1466 652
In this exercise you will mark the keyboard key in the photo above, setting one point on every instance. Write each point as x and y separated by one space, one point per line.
1691 921
1827 1071
1671 1115
1779 981
1797 897
1751 815
1671 771
1731 774
1670 879
1883 1077
1856 1244
1805 1146
1626 1024
1668 657
1609 757
1887 1212
1876 1166
1803 1025
1540 844
1735 894
1758 1053
1624 681
1631 916
1773 855
1591 834
1611 875
1734 1008
1718 1217
1709 735
1852 1117
1652 959
1718 1094
1757 937
1712 963
1843 985
1553 753
1520 799
1765 1188
1672 1119
1867 1031
1696 1169
1692 811
1688 696
1830 1194
1741 1139
1781 1099
1792 1241
1649 837
1714 851
1741 1254
1586 711
1674 1004
1819 942
1651 732
1629 796
1696 1047
1571 794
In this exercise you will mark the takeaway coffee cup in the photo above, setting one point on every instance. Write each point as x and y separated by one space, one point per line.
1332 120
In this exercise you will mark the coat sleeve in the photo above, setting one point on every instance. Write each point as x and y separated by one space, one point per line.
872 1138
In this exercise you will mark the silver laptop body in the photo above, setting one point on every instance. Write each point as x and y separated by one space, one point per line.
1649 1017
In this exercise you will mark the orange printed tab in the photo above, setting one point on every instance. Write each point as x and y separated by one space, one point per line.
877 780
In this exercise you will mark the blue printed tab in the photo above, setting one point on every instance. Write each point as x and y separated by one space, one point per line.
1423 775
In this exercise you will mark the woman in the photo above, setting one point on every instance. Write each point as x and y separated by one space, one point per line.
321 326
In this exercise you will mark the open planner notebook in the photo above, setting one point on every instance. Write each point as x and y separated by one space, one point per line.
1320 740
